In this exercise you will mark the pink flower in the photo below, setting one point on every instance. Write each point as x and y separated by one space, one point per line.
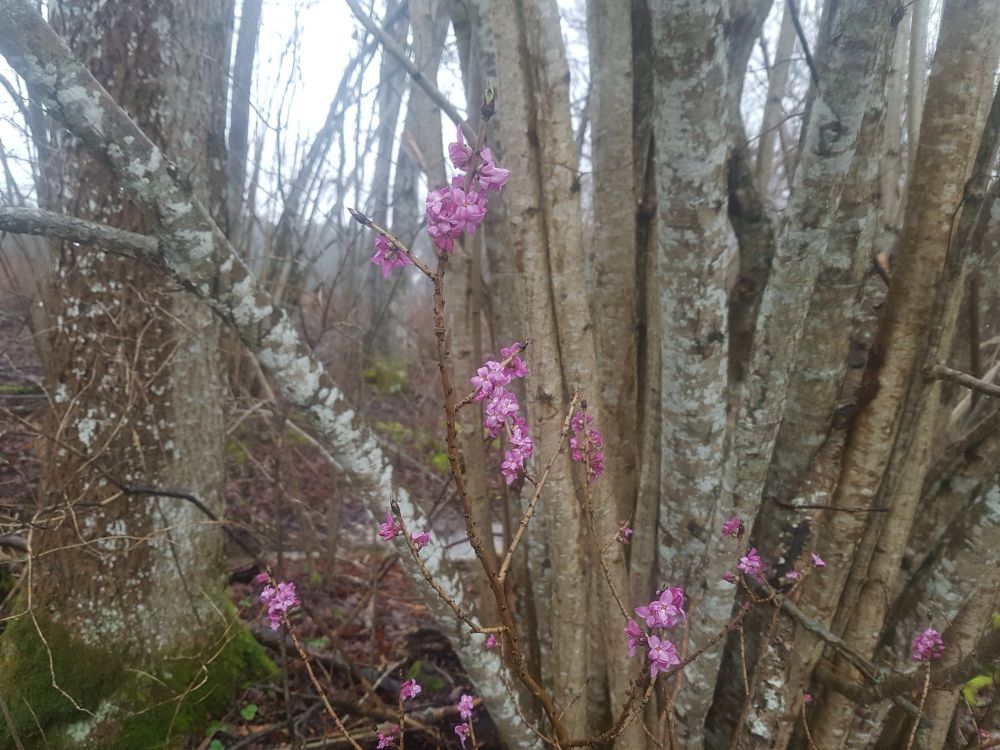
458 152
729 578
388 257
624 532
465 706
634 636
793 575
263 577
491 641
733 527
420 539
520 439
492 177
513 462
389 529
279 600
927 646
586 444
662 655
665 611
751 564
385 739
818 562
409 689
462 730
516 368
490 380
807 697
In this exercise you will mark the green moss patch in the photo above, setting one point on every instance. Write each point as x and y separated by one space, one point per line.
156 705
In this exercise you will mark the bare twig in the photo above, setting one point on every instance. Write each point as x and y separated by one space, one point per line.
396 51
940 372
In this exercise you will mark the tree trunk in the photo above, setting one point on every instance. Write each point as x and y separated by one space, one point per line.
124 580
919 324
774 110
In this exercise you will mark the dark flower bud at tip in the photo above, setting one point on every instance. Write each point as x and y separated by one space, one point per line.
489 104
359 217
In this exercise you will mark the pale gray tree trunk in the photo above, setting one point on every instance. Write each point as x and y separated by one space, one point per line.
613 307
546 242
921 313
691 100
129 580
774 111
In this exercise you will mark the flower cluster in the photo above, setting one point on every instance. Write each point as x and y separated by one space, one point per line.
586 444
491 381
465 707
733 527
388 256
279 599
387 737
461 207
751 564
624 532
663 612
409 689
390 529
927 646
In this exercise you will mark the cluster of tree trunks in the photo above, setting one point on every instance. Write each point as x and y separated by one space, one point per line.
801 396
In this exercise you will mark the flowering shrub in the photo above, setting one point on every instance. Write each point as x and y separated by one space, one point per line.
279 599
927 646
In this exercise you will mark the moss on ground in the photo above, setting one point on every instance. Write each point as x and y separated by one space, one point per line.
122 704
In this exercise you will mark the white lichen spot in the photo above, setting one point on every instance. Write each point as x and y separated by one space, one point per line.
85 430
88 104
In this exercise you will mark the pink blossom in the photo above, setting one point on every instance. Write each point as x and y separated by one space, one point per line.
520 439
807 697
927 646
516 368
504 404
513 462
263 577
491 641
491 177
793 575
279 600
462 730
634 636
818 562
624 532
490 379
465 706
390 528
662 655
586 449
420 538
386 738
458 152
388 257
733 527
409 689
729 578
665 611
751 564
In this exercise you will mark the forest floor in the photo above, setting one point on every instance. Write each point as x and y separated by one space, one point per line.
362 620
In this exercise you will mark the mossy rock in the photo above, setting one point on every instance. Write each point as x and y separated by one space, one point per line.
120 704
